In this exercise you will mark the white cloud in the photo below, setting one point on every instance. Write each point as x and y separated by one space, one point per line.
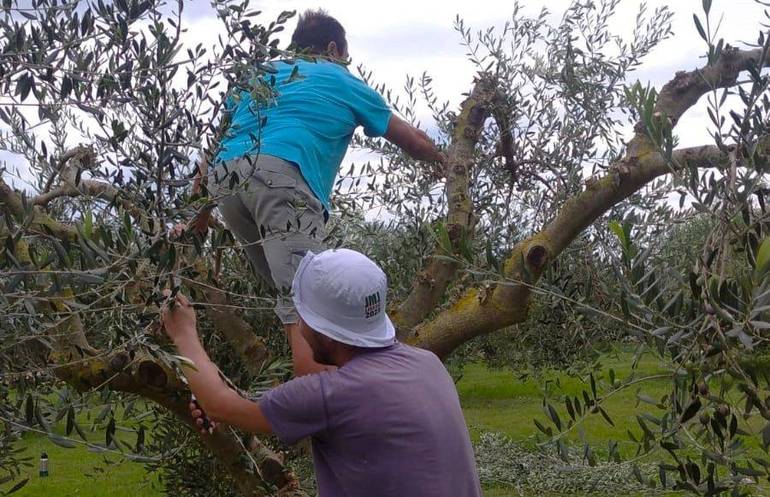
409 37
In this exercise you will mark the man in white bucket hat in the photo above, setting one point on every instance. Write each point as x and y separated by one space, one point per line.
386 422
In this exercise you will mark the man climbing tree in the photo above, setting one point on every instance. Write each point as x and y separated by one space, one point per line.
276 164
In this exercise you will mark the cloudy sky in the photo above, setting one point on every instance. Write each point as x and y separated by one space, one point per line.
408 37
401 37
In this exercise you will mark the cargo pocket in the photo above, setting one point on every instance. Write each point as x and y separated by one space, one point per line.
275 179
271 200
309 210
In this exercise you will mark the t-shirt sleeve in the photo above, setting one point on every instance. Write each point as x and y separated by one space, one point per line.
369 108
296 409
230 104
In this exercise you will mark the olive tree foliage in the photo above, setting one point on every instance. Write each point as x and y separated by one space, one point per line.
108 110
690 285
557 90
111 106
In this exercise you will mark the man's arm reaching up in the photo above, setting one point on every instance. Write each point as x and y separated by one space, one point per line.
219 401
412 140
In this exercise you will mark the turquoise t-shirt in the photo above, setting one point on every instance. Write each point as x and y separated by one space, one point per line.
309 121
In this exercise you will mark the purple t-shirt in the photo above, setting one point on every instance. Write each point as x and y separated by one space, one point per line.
386 424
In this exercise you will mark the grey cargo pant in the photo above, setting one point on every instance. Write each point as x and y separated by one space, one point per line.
268 206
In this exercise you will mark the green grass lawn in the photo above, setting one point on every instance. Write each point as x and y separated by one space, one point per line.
79 472
496 400
493 401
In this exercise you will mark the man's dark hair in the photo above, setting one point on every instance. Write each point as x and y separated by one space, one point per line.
315 30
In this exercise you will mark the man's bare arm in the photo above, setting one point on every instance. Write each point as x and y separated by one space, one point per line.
218 400
412 140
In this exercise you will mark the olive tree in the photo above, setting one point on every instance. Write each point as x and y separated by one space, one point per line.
109 110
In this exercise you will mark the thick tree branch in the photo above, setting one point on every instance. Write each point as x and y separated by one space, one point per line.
482 311
69 338
502 304
70 186
142 375
431 283
84 155
251 349
687 87
134 371
11 202
238 333
506 146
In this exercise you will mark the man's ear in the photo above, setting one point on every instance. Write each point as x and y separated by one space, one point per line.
333 50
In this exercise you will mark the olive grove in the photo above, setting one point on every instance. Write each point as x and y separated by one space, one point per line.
566 204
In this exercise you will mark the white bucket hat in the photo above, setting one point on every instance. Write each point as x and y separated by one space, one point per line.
341 294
